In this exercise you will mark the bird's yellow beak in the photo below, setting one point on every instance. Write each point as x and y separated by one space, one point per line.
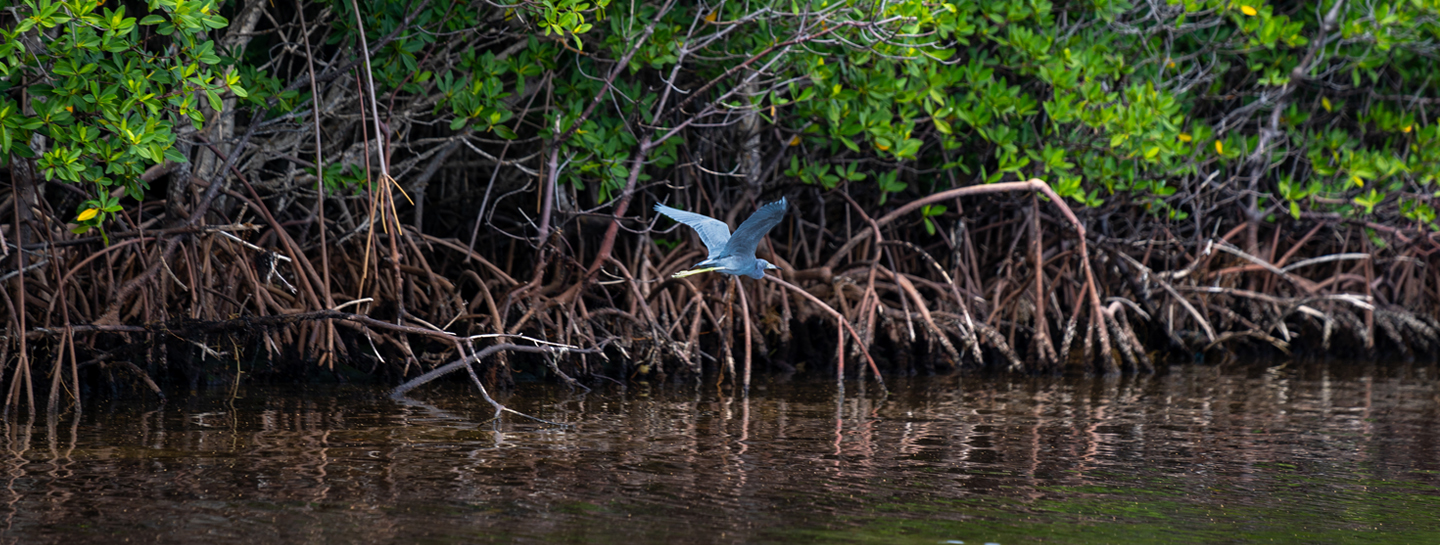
683 274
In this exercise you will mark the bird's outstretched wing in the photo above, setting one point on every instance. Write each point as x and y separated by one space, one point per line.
714 233
748 235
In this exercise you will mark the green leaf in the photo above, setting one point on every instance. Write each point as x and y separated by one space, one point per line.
174 155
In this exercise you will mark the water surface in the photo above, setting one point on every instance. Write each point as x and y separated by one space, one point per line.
1338 453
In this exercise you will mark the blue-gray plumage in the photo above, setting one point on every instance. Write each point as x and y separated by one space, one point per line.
730 253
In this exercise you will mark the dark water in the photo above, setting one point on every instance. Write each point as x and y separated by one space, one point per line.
1333 454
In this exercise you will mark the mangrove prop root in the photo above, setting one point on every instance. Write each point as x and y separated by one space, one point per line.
844 324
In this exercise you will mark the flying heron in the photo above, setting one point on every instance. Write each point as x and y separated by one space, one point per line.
730 253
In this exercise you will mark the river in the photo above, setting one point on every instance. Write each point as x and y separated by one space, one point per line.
1340 452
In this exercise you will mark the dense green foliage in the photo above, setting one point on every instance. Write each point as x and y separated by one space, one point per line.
95 94
1173 106
1141 101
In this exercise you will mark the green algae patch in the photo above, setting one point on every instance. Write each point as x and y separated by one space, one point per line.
1377 513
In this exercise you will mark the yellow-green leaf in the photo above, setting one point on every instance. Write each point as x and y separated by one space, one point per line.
1247 10
942 125
88 214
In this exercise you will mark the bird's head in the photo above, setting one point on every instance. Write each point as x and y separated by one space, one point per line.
760 267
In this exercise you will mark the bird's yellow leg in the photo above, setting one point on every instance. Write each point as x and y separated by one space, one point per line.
683 274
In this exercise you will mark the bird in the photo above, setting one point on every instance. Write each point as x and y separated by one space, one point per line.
732 254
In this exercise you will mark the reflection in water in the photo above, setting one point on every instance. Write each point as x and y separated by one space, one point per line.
668 464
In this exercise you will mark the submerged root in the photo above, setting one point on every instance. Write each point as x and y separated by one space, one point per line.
1405 329
1129 346
1386 322
997 341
